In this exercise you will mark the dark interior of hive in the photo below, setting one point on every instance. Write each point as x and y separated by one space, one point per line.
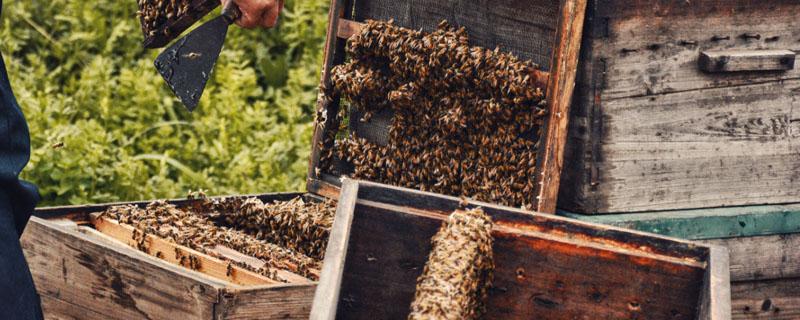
525 29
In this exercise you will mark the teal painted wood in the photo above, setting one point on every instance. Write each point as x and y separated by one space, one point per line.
711 223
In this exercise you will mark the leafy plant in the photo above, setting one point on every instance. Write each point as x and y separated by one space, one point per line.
104 126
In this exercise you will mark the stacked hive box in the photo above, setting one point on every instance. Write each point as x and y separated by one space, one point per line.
693 104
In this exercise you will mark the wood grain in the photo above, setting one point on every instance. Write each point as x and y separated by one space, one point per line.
115 281
656 51
559 97
290 301
694 149
640 56
763 257
773 299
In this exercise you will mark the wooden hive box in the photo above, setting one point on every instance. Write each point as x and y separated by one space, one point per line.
549 35
547 267
82 273
764 246
685 104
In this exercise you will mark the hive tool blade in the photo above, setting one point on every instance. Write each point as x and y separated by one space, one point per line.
186 65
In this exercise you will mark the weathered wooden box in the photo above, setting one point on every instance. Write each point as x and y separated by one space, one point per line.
764 246
81 273
547 267
685 104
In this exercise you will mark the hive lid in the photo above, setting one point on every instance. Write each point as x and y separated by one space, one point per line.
549 35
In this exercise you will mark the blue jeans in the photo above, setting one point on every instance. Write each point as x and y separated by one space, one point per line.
18 298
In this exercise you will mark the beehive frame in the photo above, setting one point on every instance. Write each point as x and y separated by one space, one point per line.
560 85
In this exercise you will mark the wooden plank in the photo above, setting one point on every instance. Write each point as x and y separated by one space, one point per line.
327 296
685 150
56 309
541 262
180 255
763 257
123 284
746 60
773 299
559 97
708 223
291 301
654 49
715 300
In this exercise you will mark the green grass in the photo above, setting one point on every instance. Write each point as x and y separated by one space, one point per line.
104 126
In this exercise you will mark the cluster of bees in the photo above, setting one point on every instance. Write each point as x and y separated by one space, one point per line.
466 120
295 224
458 274
154 14
205 229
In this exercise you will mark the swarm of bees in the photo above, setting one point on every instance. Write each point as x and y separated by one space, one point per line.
466 120
154 14
204 229
458 274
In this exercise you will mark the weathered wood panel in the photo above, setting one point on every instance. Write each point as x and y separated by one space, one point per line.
707 148
117 282
763 257
654 49
643 55
274 302
773 299
55 309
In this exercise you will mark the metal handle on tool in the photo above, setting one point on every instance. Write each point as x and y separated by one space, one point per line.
231 12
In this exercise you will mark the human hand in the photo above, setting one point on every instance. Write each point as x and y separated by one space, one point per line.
257 13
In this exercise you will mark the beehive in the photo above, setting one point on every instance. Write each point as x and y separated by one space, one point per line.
545 267
685 104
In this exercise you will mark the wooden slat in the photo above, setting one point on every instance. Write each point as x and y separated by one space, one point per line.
274 302
746 60
327 296
715 303
172 29
763 257
348 28
559 97
116 281
772 299
57 309
711 223
179 255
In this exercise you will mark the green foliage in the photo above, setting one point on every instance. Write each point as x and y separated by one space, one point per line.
104 126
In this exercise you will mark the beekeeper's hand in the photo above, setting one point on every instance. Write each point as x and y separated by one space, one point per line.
257 13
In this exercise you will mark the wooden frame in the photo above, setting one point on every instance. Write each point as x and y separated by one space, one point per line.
560 86
763 242
82 273
547 266
172 29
